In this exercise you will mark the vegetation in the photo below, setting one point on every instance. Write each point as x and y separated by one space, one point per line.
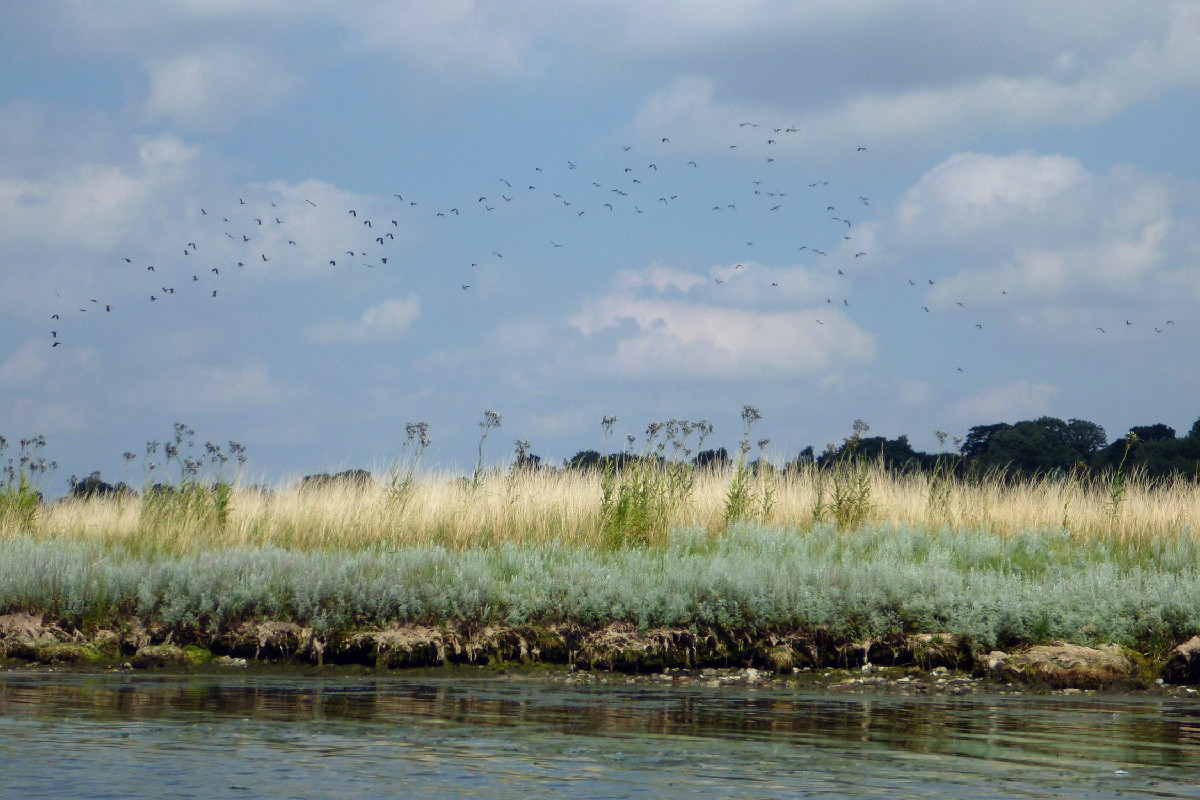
875 581
864 540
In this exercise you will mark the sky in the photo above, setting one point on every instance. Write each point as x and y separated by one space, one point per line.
928 216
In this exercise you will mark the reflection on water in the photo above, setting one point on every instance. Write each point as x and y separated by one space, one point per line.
127 735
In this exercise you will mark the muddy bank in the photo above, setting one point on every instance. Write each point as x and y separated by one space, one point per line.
930 662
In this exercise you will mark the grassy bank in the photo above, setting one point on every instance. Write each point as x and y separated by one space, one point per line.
993 589
636 506
736 564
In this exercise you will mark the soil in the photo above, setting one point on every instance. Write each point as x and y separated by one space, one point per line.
930 663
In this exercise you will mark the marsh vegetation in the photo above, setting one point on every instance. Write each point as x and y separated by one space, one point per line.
848 546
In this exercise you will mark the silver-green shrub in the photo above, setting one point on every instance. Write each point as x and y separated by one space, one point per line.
1039 586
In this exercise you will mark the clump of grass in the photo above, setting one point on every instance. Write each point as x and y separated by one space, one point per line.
748 499
641 493
1116 484
942 480
20 499
849 480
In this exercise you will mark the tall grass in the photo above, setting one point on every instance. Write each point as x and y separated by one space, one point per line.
636 504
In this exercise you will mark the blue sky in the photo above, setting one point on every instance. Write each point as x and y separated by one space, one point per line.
656 238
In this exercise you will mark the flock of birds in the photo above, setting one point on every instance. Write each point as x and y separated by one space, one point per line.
243 234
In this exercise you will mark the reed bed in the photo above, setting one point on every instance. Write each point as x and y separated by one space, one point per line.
569 507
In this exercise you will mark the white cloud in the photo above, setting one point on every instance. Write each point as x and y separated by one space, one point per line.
388 320
213 88
941 76
207 388
26 366
91 206
1044 240
656 337
660 278
458 38
970 194
1011 401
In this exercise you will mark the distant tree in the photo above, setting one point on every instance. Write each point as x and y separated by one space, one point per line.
1034 446
804 458
594 459
351 478
1156 453
584 460
712 459
895 453
94 486
1152 433
1085 438
528 462
979 439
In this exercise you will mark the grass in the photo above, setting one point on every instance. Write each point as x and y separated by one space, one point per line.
850 547
635 505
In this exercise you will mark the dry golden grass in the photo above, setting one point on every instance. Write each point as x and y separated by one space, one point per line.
566 506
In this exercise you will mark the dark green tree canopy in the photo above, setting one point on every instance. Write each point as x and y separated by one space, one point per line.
1152 433
1034 446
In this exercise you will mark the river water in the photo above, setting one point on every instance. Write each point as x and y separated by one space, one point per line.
454 735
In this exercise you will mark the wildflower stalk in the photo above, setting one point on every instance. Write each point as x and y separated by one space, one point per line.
740 496
1116 485
404 471
490 421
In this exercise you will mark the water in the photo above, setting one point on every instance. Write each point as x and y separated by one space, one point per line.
456 735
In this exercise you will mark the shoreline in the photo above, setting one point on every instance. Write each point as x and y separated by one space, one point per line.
889 681
616 653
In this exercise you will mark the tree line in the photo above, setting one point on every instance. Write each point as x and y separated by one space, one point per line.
1042 446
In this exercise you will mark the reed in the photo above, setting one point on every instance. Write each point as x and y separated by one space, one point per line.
574 507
